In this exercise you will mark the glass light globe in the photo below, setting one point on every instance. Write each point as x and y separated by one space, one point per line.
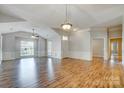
66 26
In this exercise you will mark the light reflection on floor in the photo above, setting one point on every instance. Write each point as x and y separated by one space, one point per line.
27 71
50 69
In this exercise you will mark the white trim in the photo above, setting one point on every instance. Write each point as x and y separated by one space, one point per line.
80 55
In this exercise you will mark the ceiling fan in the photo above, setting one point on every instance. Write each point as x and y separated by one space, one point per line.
34 35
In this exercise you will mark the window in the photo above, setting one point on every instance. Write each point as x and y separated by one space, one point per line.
27 48
64 38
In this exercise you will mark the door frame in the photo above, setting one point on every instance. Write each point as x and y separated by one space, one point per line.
103 46
119 50
33 50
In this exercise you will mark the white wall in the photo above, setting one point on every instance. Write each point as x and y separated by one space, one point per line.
65 48
80 45
42 47
101 33
98 47
56 47
8 47
11 46
64 43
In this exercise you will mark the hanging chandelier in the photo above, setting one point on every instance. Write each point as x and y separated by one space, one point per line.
67 25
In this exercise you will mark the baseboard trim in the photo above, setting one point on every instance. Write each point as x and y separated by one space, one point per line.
77 59
23 58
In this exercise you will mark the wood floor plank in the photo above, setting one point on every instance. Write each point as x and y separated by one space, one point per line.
66 73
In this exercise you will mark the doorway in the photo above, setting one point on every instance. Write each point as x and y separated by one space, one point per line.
98 48
26 48
49 48
116 49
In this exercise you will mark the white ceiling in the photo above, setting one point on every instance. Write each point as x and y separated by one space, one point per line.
46 17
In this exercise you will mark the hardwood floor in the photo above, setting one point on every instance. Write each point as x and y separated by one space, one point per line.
47 72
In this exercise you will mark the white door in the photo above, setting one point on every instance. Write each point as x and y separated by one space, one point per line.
98 47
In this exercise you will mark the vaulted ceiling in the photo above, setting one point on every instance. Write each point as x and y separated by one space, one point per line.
45 16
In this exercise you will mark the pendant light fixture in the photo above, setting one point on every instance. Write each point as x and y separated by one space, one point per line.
67 25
